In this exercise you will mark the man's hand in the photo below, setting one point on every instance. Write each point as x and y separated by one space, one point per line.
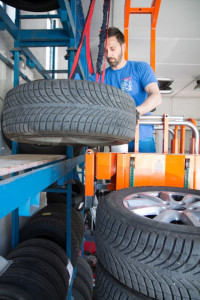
154 99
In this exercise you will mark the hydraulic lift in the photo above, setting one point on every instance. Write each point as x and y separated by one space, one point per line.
123 170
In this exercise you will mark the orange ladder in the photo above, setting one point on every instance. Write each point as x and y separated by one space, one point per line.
153 11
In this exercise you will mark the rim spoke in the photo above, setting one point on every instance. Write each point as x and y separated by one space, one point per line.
138 202
165 196
146 196
166 206
147 210
168 216
188 199
194 206
191 218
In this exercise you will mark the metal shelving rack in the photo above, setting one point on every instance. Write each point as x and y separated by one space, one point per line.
72 20
16 187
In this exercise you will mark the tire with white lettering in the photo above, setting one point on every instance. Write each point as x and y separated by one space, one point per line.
148 238
68 112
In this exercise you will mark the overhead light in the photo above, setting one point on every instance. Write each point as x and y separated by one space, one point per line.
164 85
197 87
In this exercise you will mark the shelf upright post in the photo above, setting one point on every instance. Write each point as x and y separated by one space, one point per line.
52 53
72 43
68 213
15 148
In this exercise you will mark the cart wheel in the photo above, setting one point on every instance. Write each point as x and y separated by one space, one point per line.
68 112
148 238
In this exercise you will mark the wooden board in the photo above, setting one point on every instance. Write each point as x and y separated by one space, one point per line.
15 163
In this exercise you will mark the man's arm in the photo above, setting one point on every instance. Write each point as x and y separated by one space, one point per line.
153 100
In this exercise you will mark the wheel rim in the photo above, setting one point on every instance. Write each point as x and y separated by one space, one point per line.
166 207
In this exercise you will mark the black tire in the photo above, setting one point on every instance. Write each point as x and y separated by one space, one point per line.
33 5
108 288
78 196
51 229
84 272
47 245
77 294
81 287
42 268
46 256
160 260
68 112
34 283
13 292
58 212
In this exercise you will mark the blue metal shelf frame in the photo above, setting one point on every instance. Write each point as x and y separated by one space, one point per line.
23 190
72 19
17 188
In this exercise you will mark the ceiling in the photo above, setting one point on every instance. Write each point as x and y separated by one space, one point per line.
177 39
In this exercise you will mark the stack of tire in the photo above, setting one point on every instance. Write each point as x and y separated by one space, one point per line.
83 283
148 244
37 269
50 223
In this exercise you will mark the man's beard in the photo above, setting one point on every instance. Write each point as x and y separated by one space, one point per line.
115 61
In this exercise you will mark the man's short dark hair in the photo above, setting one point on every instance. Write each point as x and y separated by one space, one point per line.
113 31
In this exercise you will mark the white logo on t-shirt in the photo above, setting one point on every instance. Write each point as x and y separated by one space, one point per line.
126 84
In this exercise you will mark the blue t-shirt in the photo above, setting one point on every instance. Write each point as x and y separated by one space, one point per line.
133 78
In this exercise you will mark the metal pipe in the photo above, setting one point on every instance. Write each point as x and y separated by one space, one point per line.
146 118
161 128
174 122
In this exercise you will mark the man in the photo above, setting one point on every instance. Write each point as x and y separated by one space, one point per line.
135 78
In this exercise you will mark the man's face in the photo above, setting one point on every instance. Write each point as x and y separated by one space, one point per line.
114 52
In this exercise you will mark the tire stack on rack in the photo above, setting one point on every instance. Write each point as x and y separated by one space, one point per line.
148 244
37 269
50 222
83 283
